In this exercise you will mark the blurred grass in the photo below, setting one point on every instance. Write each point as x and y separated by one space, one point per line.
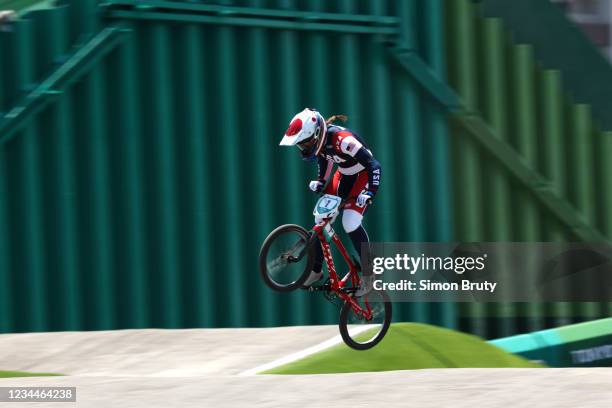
8 374
408 346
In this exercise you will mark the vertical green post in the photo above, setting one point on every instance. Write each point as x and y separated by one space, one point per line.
163 136
467 167
379 103
196 114
604 152
550 104
436 143
582 192
262 144
3 64
582 187
68 239
524 139
524 134
101 245
496 185
32 222
494 108
129 116
66 289
6 298
232 171
411 218
553 165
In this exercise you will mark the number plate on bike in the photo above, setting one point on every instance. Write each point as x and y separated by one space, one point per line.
327 206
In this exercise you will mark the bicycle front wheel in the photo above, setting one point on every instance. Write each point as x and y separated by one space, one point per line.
360 333
278 263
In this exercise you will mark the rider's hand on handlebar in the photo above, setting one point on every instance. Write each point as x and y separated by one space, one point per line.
316 186
365 197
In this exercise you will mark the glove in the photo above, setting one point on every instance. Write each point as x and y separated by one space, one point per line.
364 198
316 186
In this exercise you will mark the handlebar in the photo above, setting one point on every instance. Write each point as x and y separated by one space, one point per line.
344 201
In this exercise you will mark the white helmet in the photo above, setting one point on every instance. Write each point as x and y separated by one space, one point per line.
307 130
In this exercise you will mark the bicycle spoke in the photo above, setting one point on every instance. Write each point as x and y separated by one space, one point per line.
283 265
363 328
297 247
276 264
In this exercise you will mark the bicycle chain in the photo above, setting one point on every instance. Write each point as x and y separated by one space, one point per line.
329 294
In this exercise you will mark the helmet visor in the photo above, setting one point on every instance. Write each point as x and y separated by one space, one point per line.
307 146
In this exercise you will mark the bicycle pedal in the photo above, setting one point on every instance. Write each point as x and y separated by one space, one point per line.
325 286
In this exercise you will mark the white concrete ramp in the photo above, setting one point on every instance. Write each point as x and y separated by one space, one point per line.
199 368
156 352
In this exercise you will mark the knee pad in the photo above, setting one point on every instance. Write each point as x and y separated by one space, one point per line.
351 220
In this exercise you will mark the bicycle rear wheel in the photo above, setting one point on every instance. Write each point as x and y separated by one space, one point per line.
278 265
359 333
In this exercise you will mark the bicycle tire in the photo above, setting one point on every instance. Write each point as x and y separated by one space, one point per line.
347 311
266 274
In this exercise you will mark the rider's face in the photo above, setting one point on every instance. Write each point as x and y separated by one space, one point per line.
307 145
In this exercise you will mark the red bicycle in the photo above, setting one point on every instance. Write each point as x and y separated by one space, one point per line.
286 259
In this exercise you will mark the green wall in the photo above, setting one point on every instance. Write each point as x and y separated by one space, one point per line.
143 172
535 169
587 74
140 168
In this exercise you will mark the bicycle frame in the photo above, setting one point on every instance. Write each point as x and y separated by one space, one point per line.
339 285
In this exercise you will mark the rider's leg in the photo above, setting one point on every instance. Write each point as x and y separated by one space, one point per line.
353 215
316 274
318 263
351 221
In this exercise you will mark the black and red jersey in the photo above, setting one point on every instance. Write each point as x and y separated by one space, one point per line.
350 153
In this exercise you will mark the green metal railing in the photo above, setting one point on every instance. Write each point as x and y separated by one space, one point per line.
83 60
251 17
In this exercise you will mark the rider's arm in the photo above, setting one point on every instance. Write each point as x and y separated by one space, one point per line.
324 168
353 147
367 160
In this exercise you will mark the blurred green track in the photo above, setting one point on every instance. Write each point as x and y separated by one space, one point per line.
8 374
408 346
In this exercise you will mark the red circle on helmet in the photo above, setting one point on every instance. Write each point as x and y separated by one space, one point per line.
294 127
